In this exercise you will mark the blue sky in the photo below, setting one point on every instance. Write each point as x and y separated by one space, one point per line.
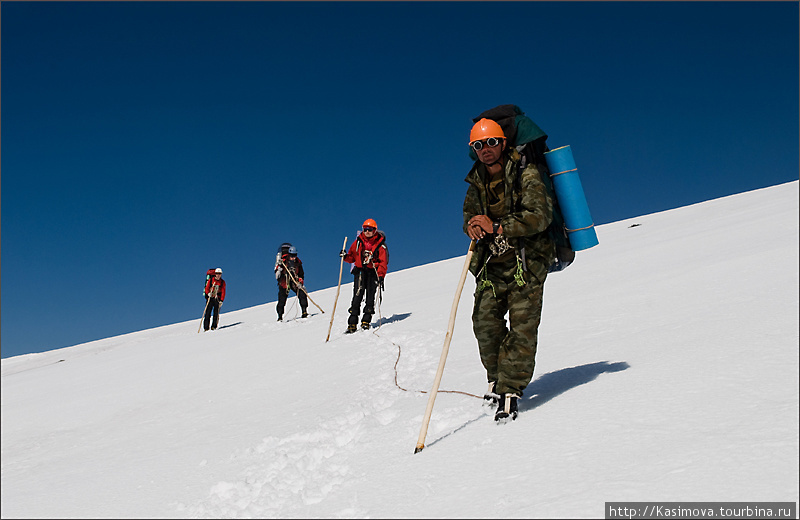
145 142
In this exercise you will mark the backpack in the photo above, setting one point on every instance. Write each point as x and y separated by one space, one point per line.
530 141
209 275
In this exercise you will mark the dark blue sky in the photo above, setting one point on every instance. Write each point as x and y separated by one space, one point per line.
145 142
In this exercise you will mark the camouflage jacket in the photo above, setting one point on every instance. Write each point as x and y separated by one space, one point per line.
529 211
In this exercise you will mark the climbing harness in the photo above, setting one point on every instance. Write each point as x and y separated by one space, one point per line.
519 277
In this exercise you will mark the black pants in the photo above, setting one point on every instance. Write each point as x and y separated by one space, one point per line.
283 294
213 306
365 281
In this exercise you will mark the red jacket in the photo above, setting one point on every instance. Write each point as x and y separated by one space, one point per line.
374 248
295 267
213 281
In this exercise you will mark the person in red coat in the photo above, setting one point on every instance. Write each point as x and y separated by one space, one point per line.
370 259
286 281
215 295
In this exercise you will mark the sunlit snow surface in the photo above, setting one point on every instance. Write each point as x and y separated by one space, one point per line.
667 370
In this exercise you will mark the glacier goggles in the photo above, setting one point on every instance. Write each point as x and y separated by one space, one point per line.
490 142
369 228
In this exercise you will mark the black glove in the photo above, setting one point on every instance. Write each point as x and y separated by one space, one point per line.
381 280
342 253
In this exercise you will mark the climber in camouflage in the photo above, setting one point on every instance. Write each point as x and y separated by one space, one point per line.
507 212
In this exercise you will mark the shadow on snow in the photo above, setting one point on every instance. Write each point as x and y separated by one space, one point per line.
393 318
548 386
231 325
555 383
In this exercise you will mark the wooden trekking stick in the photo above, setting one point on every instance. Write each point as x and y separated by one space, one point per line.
333 312
425 420
300 286
202 319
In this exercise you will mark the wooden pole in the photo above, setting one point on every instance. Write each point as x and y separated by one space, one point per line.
339 286
202 319
429 410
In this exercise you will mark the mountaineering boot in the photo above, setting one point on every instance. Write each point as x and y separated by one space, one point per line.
507 408
304 315
365 325
352 322
490 398
280 317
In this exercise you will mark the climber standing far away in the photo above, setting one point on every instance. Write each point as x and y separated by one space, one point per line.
289 274
370 258
215 295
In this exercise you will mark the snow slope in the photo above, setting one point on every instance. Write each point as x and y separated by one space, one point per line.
667 370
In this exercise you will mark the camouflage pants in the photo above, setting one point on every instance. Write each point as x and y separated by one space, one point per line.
508 355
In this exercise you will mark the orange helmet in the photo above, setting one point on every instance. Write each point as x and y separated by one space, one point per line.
484 129
369 223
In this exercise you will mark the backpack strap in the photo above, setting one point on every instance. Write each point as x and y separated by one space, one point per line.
532 152
523 163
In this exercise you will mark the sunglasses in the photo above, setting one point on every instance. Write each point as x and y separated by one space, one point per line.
491 143
367 228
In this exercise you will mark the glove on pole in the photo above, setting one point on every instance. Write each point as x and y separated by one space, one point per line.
438 379
301 286
333 312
